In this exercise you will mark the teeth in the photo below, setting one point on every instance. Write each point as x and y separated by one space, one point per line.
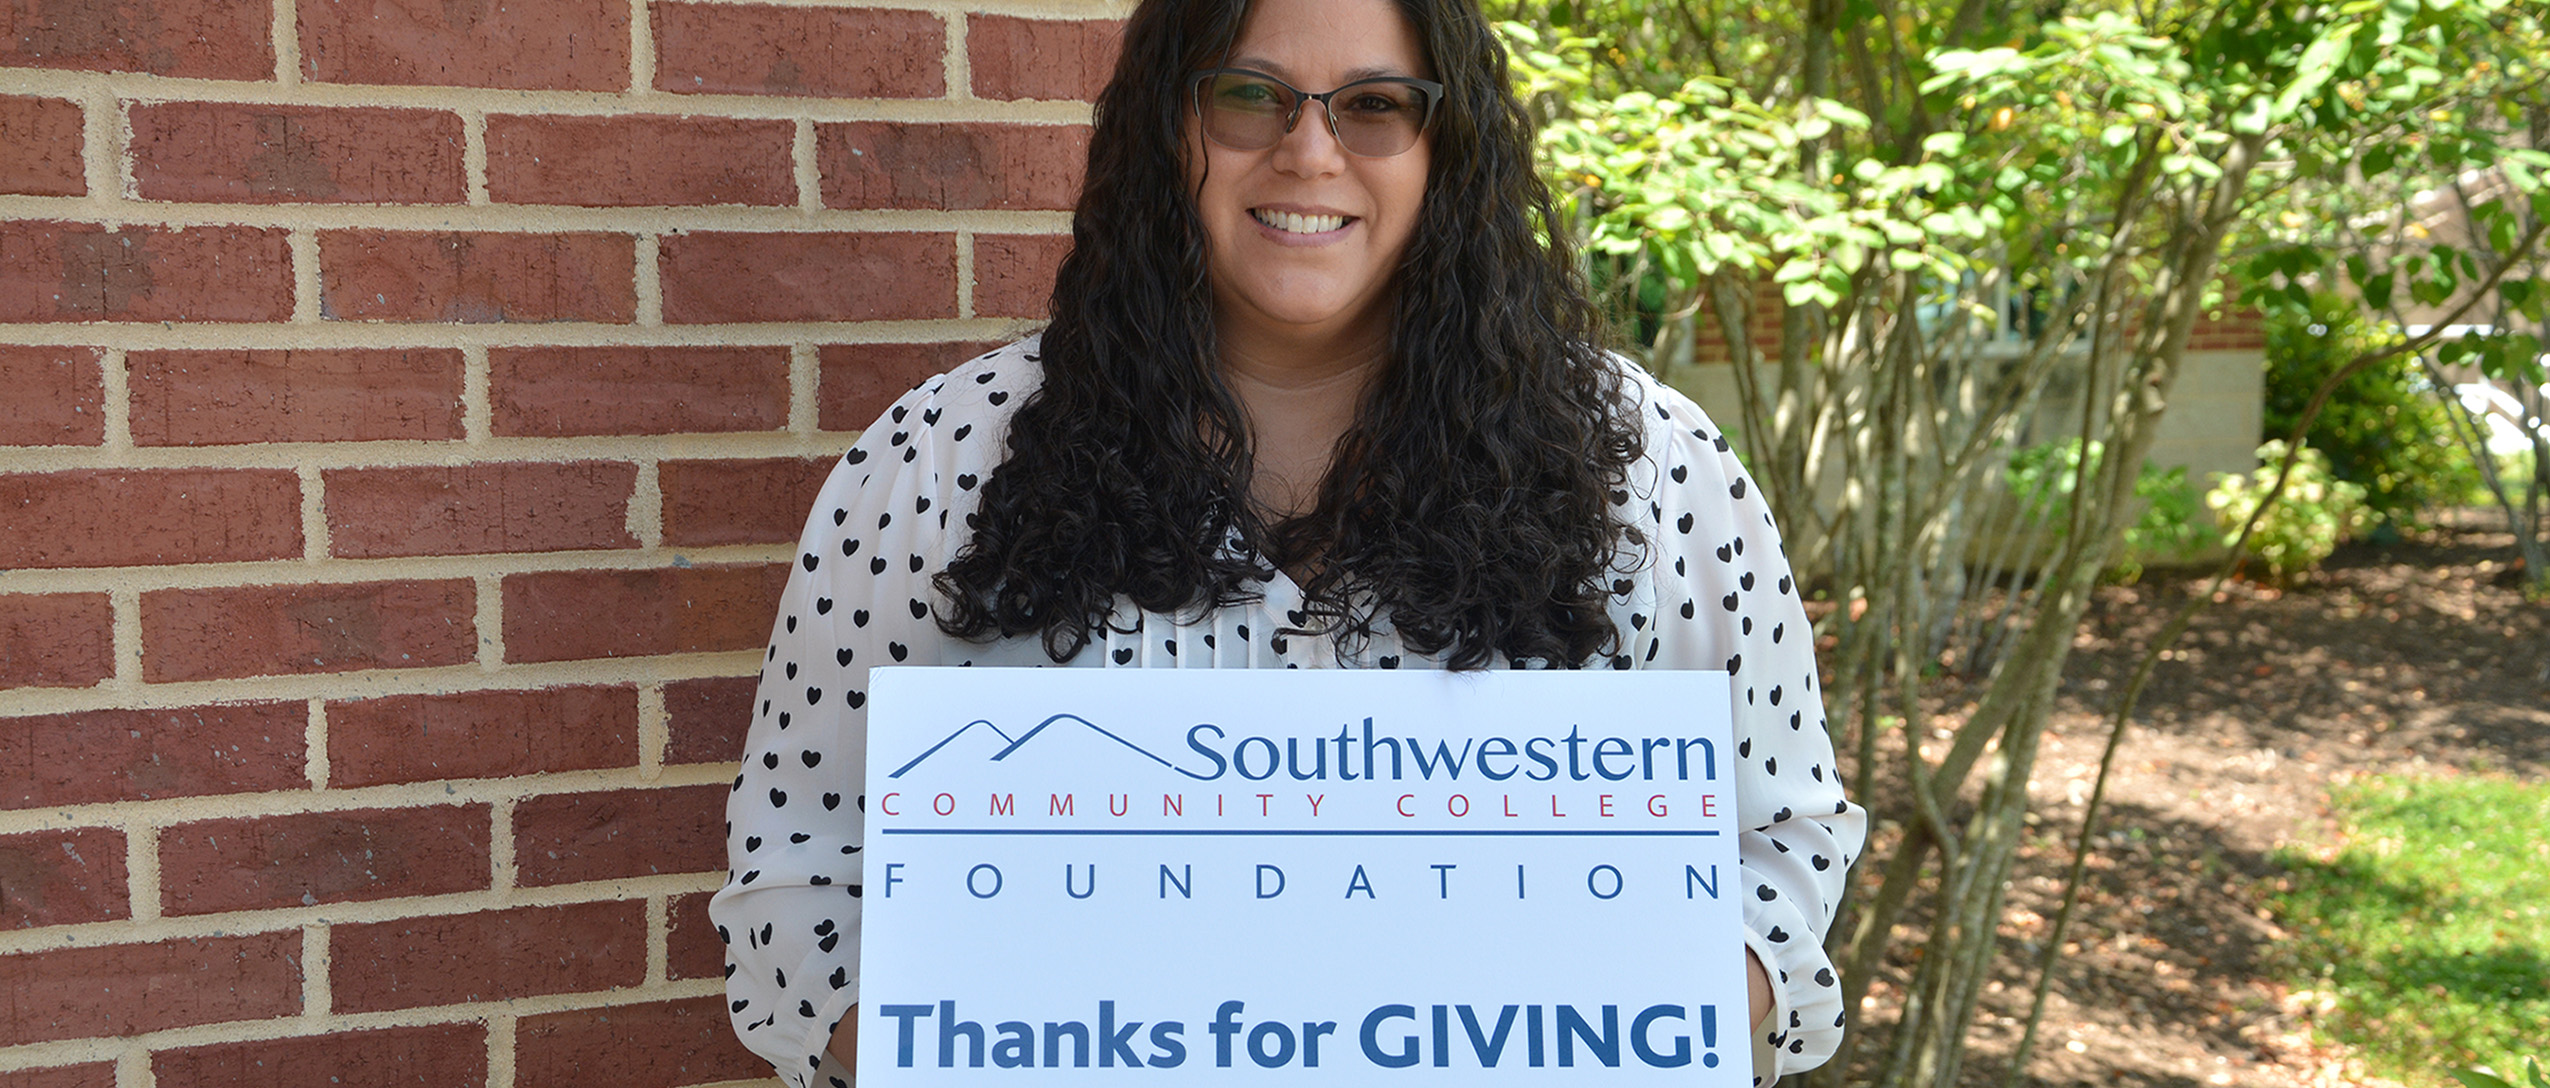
1292 223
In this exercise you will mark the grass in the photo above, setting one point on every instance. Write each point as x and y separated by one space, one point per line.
2429 924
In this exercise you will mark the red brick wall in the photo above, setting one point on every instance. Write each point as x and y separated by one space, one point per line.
2230 328
405 410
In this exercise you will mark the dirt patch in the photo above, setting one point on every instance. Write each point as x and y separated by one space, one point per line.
2417 658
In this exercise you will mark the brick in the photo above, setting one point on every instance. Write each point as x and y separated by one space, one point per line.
54 878
569 838
218 398
477 278
707 718
206 634
52 396
720 276
480 508
760 500
860 381
92 1075
140 755
123 990
56 640
1014 273
232 152
556 392
575 614
691 947
53 271
662 1044
599 162
137 517
201 39
488 956
559 45
803 51
44 138
1013 58
264 862
481 734
887 164
430 1056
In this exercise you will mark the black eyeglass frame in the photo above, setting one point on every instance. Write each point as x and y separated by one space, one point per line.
1433 103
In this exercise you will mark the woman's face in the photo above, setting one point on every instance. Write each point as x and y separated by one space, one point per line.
1303 238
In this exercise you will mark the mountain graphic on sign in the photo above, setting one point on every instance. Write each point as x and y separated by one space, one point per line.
1014 744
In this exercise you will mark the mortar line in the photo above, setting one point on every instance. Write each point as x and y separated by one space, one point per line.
500 1048
315 743
307 300
133 1066
96 1048
489 593
649 279
959 67
809 171
318 990
477 406
659 942
646 505
501 872
98 152
964 275
473 156
125 602
125 187
641 49
141 870
115 401
287 43
654 733
805 380
315 539
133 86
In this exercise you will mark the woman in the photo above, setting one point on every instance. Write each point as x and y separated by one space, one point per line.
1315 394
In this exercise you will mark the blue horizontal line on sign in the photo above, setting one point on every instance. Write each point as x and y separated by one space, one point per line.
1277 832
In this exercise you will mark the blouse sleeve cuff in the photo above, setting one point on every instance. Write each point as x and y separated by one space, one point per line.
1766 1036
827 1070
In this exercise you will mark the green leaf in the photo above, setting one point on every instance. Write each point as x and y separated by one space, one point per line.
2251 120
2480 1079
1945 145
2318 63
2116 135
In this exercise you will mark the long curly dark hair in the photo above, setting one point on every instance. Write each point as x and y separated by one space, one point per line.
1468 509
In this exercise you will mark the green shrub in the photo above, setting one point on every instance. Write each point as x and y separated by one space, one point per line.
2385 427
2310 518
2170 529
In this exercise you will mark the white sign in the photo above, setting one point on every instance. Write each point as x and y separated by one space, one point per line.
1347 877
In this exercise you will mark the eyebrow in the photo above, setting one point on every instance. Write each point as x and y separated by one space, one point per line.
1353 75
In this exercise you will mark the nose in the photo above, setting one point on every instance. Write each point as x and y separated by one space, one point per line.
1309 148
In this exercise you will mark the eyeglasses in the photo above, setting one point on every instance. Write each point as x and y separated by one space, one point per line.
1375 118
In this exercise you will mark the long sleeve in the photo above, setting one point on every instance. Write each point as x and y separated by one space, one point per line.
1725 599
858 596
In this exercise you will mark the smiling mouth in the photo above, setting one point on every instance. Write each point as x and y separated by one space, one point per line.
1295 223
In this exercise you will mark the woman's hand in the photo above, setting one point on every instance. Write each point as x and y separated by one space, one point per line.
1757 988
844 1047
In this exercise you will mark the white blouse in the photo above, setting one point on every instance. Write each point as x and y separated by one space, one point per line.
1714 593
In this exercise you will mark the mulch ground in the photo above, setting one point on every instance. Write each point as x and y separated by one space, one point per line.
2417 658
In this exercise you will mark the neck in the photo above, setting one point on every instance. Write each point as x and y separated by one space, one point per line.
1300 396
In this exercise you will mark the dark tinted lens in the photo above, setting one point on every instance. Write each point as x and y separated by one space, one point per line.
1243 113
1378 117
